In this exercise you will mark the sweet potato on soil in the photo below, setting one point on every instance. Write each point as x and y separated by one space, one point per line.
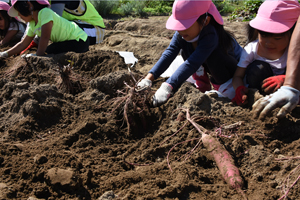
225 163
223 159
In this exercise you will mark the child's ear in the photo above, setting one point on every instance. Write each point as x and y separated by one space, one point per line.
30 6
207 20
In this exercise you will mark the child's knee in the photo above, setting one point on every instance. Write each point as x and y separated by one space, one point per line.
256 72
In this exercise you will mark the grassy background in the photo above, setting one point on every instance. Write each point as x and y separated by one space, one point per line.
237 9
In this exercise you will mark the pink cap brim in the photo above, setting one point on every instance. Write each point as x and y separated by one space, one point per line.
12 12
179 25
271 26
215 13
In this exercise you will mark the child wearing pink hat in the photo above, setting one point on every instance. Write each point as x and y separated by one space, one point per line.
84 14
43 22
263 61
11 30
202 41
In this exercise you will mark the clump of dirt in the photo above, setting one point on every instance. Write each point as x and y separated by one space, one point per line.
57 144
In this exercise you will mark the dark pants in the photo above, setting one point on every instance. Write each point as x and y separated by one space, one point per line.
256 72
221 66
70 45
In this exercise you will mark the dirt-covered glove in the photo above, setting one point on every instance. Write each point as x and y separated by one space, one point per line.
162 94
3 54
240 97
272 83
286 96
144 84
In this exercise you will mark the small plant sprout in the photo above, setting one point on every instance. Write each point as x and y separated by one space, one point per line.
67 80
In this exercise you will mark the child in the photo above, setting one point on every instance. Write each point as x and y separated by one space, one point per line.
11 30
65 35
84 14
263 62
201 37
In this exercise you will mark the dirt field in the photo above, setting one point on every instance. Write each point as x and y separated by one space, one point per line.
66 137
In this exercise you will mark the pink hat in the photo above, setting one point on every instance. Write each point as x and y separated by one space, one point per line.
14 13
186 12
276 16
4 6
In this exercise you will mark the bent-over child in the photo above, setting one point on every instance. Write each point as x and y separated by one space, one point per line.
203 41
49 26
84 14
263 61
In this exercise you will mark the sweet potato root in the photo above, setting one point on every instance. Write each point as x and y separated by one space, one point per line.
225 163
223 159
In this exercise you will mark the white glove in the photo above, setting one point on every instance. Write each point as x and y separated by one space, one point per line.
286 96
3 54
162 94
28 55
144 84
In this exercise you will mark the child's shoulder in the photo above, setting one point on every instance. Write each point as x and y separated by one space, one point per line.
252 44
13 25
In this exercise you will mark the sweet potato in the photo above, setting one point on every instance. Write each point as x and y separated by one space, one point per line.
225 163
223 159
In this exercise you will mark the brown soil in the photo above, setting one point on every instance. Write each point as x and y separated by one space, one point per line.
68 138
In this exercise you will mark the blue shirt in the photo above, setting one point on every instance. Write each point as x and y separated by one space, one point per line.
208 41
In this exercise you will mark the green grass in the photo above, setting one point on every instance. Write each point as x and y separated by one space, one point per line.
246 12
245 9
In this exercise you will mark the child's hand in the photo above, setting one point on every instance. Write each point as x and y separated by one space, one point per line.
144 84
273 83
162 94
240 95
3 54
286 96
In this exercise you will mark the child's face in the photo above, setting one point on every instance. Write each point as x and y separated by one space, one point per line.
191 32
2 23
273 45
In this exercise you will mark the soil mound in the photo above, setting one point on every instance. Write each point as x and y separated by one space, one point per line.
73 127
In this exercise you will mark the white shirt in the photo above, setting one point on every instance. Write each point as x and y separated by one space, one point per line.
249 54
14 26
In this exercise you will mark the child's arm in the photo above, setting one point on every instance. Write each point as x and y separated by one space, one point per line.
238 77
9 35
238 84
20 46
45 37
